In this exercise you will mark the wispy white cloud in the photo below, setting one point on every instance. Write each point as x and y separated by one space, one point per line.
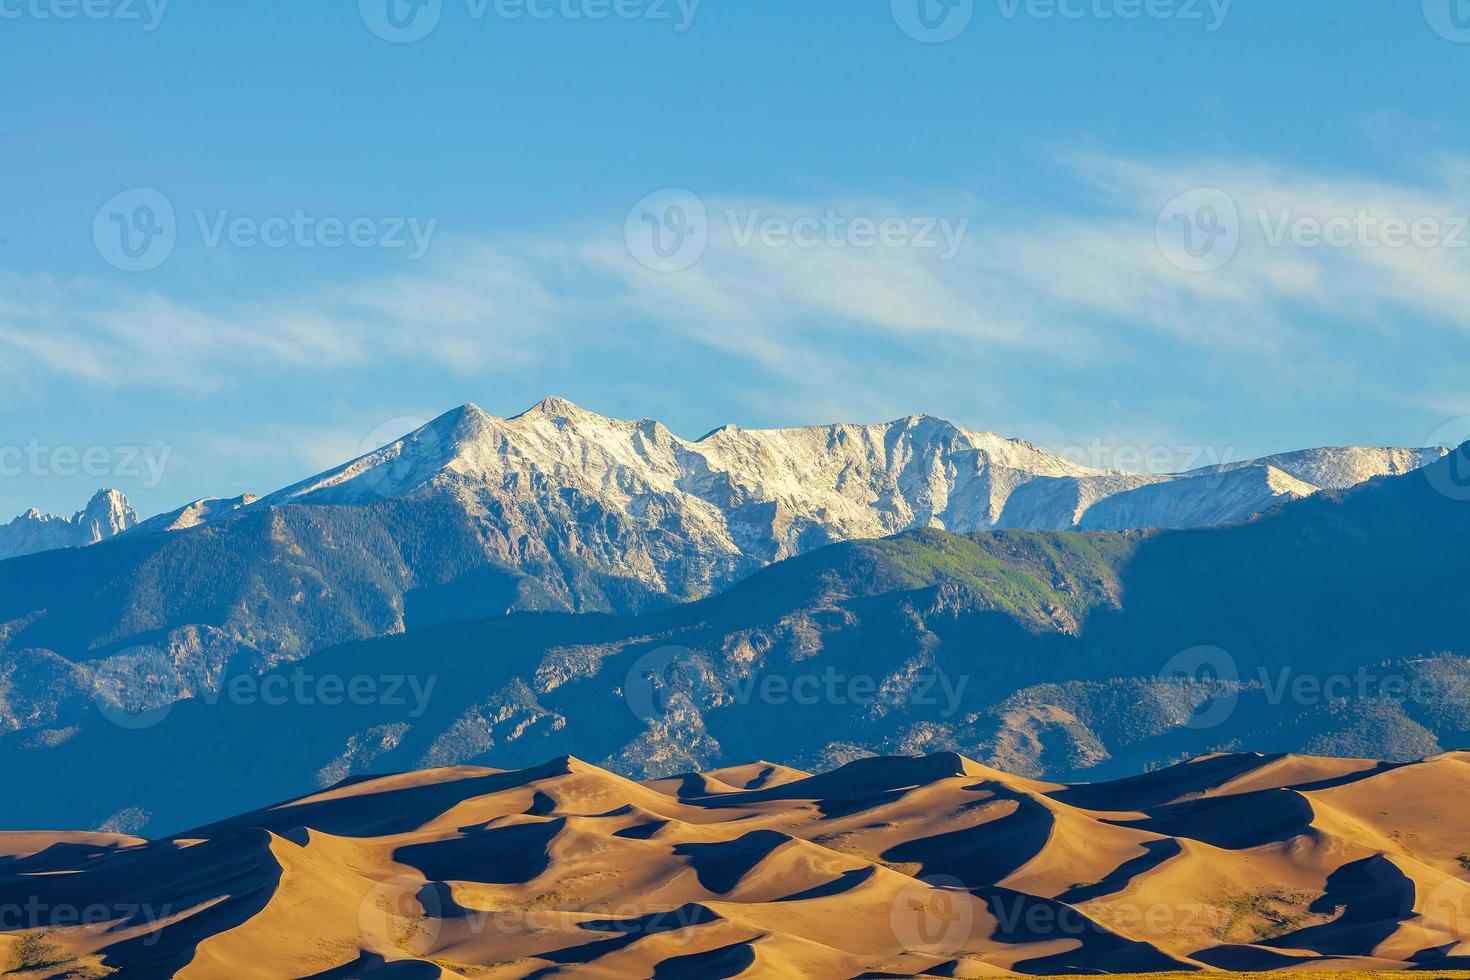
1081 289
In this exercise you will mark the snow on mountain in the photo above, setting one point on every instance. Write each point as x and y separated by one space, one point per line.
559 485
1340 468
632 498
193 514
106 515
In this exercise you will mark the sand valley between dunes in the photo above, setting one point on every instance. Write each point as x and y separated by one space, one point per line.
932 866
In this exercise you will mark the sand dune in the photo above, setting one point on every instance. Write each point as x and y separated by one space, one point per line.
933 866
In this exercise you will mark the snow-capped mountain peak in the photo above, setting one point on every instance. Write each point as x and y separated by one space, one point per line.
558 483
106 515
633 499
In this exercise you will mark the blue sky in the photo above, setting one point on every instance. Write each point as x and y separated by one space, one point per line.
1028 174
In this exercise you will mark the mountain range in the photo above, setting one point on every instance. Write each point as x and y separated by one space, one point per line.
557 509
106 515
1332 625
739 498
886 867
574 546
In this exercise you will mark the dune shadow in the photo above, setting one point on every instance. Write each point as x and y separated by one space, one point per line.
510 855
642 831
242 874
1374 896
1245 959
981 855
375 966
59 857
835 808
715 964
842 884
1023 919
542 805
720 866
626 932
1232 822
1162 786
1156 852
862 779
384 814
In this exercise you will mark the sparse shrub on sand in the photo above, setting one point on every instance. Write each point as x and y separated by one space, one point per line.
34 950
1266 914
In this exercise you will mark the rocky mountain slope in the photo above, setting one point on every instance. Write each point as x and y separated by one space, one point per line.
556 510
898 867
626 493
1054 654
739 498
105 516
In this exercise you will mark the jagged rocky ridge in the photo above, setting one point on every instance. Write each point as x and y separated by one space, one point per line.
558 509
747 497
685 517
1064 654
106 515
